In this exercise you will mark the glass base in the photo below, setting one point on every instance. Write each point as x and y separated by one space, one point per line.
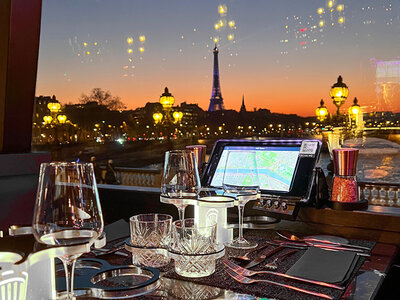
64 296
241 244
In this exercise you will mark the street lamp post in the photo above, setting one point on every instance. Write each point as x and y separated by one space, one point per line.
167 118
355 115
339 92
54 119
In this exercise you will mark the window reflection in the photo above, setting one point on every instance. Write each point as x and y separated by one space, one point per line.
107 63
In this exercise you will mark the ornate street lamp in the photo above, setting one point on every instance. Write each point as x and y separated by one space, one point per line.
339 92
354 113
167 119
355 108
321 111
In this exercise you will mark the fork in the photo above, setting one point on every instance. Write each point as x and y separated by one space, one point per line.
246 272
246 280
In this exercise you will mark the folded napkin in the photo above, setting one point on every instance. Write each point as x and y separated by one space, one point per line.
324 265
116 230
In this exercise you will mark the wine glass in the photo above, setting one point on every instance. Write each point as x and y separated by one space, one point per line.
181 181
67 210
241 180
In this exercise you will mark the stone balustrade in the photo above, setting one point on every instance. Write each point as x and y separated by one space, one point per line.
383 194
139 177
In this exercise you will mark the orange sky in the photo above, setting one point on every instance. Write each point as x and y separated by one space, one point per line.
178 53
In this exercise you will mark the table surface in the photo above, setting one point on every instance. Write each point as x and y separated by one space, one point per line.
363 286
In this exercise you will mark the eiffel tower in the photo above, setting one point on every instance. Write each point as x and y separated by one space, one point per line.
216 101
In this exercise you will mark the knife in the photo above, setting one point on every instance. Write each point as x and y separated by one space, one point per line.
319 245
261 258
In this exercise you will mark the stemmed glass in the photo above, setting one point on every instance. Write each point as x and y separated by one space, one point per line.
67 210
241 180
181 181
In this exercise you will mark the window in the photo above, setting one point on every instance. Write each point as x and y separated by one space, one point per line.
107 64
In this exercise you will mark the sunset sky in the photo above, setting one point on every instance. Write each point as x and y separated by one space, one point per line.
277 52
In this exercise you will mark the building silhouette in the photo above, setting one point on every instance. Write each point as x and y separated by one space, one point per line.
216 101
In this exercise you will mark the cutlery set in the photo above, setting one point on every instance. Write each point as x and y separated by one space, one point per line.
324 244
242 274
246 280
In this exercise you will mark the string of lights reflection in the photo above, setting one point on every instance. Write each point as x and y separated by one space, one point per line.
134 51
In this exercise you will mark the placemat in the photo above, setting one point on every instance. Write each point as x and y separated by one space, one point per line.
222 280
328 266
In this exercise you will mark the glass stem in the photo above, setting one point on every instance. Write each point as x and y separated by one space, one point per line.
181 212
240 211
69 267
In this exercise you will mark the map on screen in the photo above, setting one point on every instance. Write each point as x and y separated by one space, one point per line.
275 165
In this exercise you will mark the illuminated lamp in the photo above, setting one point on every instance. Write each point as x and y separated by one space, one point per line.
47 119
157 117
166 99
62 118
177 116
54 107
339 92
355 108
321 111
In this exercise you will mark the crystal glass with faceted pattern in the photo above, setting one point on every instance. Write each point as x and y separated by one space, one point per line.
150 236
193 247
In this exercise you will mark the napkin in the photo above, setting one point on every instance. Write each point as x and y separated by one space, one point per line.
116 230
324 265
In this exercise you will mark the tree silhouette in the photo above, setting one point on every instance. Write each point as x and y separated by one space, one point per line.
103 98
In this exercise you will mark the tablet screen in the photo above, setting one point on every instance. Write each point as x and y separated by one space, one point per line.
276 165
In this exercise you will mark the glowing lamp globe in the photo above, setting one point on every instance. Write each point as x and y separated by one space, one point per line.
62 118
339 92
177 116
157 117
166 99
47 119
321 111
54 107
355 108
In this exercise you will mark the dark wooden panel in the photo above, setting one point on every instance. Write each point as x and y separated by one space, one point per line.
19 177
19 43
